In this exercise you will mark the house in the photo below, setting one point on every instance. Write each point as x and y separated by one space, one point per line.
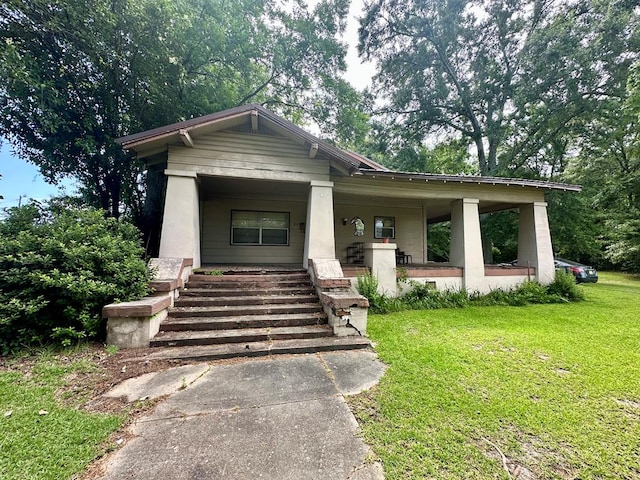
245 186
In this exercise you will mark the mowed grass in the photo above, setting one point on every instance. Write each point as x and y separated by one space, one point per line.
552 391
43 433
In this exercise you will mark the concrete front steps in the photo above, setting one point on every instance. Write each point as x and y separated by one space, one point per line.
248 313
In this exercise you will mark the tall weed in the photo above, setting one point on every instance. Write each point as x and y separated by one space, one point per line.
426 297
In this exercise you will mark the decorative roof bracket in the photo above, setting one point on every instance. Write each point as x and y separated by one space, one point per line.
313 150
186 138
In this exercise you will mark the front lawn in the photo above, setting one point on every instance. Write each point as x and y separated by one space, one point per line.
44 434
544 391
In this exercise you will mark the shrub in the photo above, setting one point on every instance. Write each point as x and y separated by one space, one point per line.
368 285
59 267
525 294
426 297
564 286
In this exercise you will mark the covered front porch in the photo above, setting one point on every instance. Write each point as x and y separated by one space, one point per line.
358 222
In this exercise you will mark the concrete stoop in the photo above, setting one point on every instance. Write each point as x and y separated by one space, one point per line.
248 314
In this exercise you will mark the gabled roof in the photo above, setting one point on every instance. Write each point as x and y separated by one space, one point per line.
153 141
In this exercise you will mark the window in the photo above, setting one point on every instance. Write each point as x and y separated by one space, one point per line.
384 227
259 228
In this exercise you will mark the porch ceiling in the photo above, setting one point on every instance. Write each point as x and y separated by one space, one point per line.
437 209
444 214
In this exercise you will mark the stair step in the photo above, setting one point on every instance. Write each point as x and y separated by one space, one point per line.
244 335
253 284
226 311
244 300
243 321
255 349
265 271
216 291
250 278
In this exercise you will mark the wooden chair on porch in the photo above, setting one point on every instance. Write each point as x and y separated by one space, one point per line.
403 258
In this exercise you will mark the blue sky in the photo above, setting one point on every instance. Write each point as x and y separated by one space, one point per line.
22 179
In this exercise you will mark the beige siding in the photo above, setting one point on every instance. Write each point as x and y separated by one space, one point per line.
248 155
410 230
216 232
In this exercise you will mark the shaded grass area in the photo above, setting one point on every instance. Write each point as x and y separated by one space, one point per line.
550 391
43 433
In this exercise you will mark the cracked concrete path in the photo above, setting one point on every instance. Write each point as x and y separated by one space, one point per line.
277 418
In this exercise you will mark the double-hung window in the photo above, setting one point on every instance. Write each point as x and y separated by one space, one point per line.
259 228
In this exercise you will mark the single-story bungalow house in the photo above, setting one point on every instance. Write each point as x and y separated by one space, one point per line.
246 186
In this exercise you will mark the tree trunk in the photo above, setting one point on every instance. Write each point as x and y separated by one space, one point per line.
482 158
151 221
492 160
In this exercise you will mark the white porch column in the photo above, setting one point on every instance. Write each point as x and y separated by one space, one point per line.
381 258
466 243
319 237
181 221
534 241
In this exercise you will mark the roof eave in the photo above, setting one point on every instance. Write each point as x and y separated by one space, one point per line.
471 179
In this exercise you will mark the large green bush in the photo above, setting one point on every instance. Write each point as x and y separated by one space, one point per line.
59 266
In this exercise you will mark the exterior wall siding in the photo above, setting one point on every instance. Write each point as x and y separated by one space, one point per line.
244 155
409 227
216 232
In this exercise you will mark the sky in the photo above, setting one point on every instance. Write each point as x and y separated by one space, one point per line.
21 180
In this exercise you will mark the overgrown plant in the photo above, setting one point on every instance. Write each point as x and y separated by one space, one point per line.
427 297
58 267
368 286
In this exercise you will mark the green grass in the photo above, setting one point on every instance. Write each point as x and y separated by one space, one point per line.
555 387
52 446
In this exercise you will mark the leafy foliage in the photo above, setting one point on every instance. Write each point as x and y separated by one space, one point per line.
538 89
59 267
608 166
76 75
367 285
515 79
423 296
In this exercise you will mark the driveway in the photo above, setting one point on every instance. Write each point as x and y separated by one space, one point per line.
276 418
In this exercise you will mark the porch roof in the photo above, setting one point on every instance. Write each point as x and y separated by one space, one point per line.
468 179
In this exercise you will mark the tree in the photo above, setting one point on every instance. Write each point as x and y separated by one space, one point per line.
608 165
75 75
514 78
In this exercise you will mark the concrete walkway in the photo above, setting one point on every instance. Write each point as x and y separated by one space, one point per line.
277 418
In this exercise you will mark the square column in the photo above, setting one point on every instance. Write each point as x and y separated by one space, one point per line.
319 237
381 258
534 241
181 221
466 243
